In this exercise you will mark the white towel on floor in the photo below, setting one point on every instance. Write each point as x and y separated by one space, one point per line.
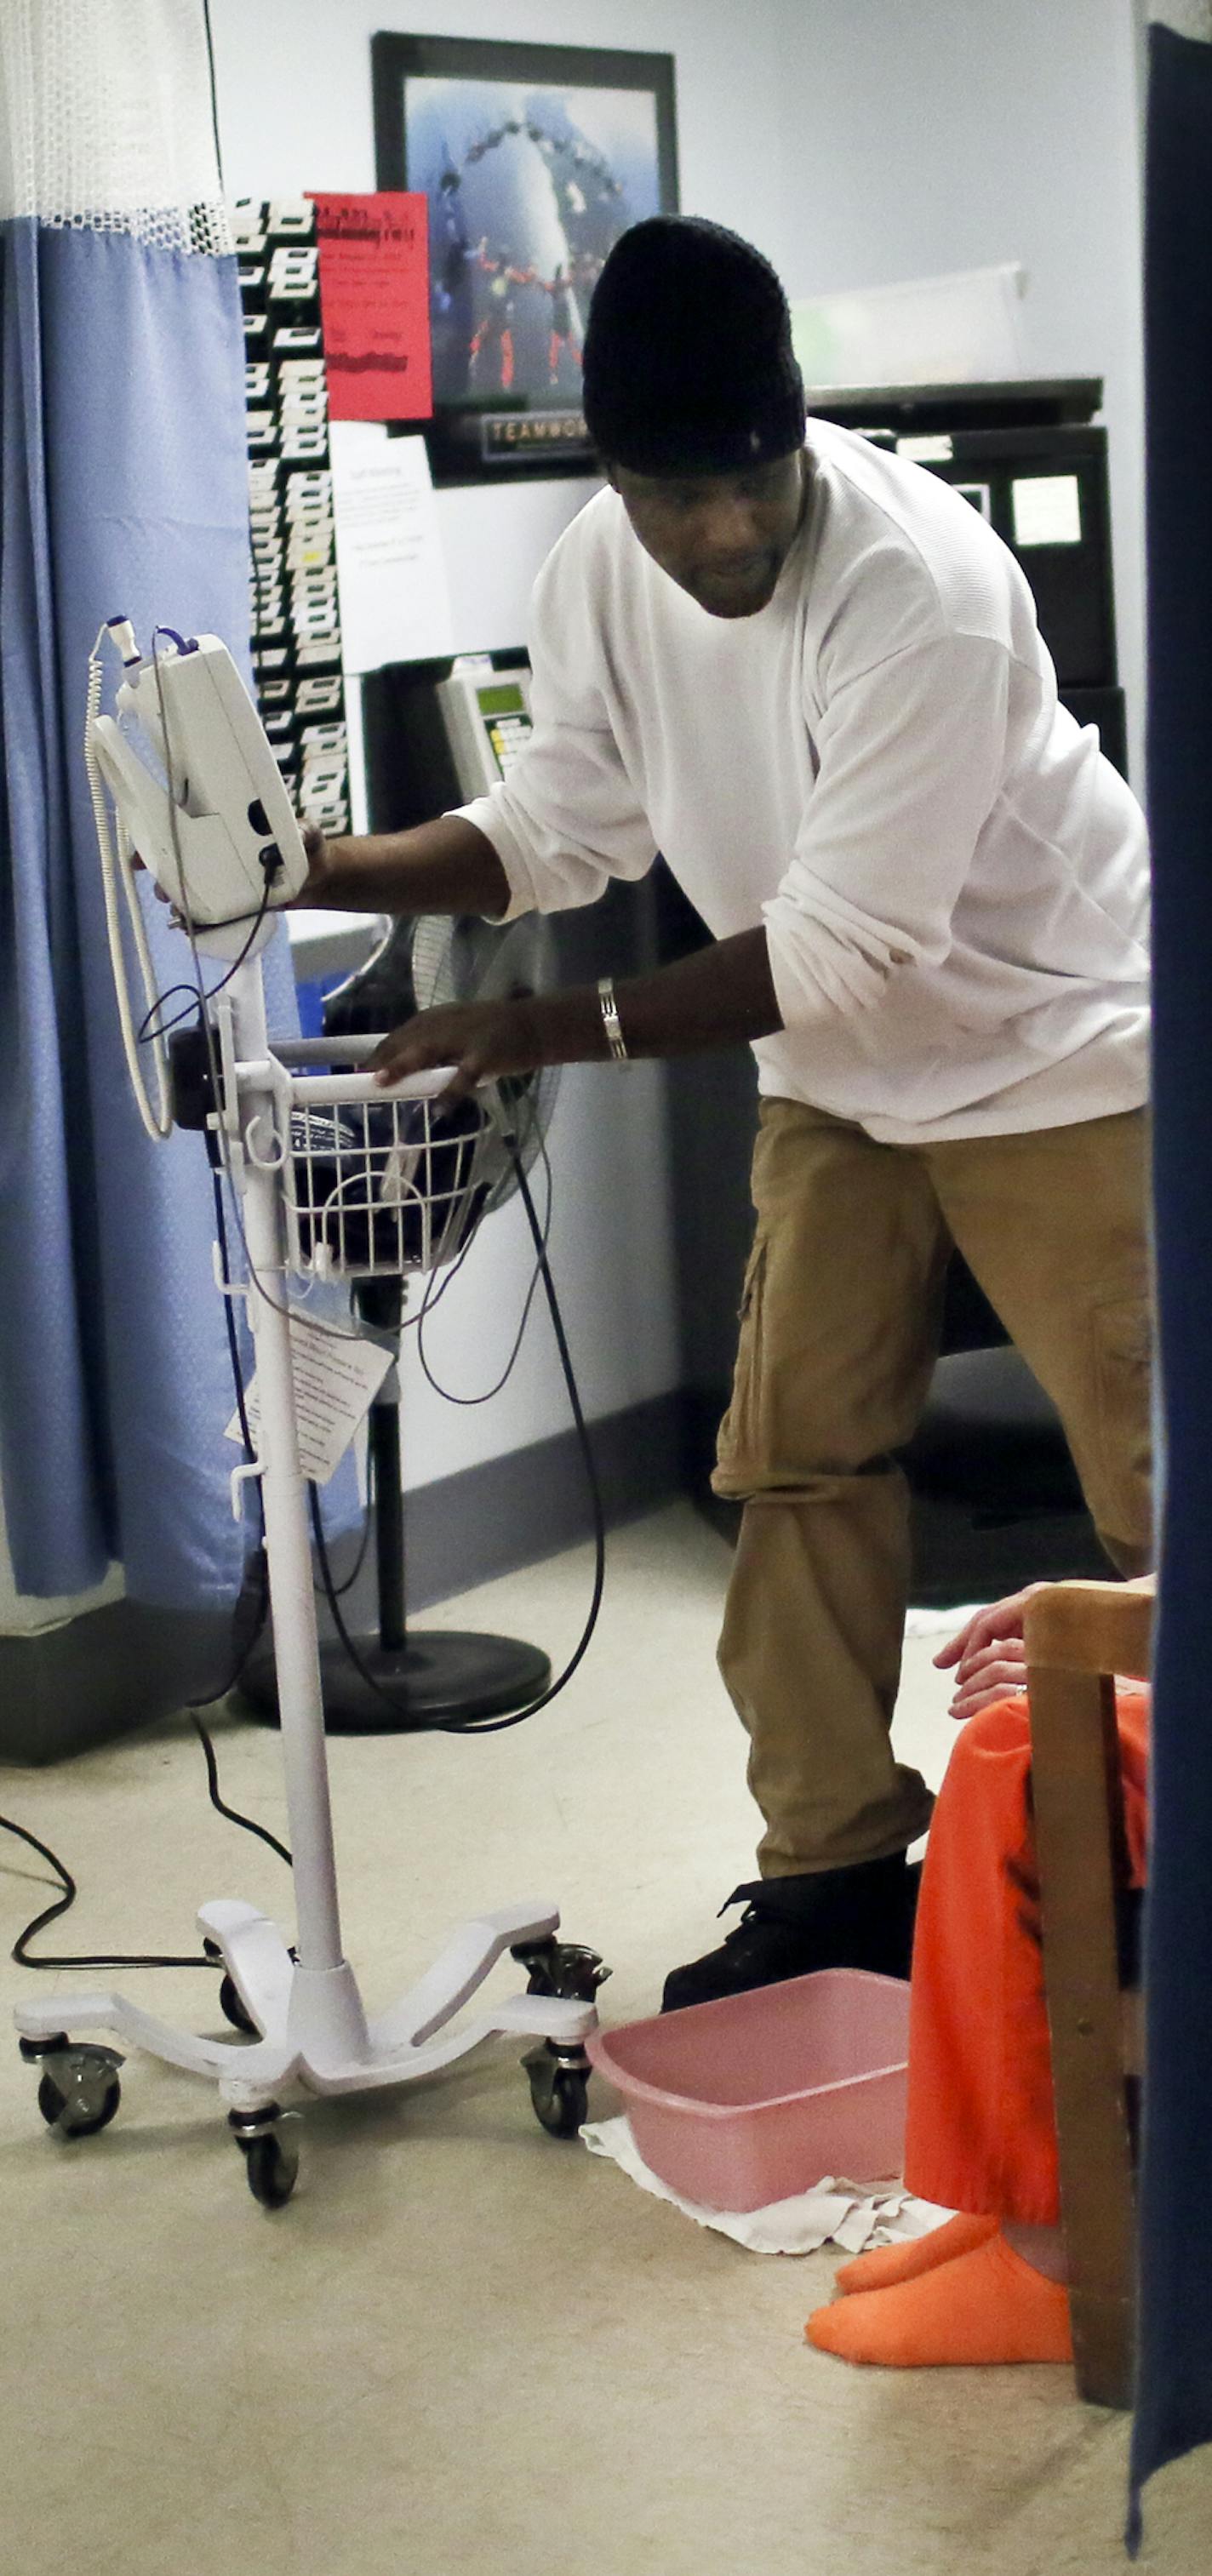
941 1623
850 2214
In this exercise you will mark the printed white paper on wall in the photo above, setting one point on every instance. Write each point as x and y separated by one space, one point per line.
395 603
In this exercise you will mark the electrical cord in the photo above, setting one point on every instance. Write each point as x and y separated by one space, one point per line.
364 1541
426 1309
245 1647
199 997
438 1282
233 1814
499 1725
21 1952
125 1959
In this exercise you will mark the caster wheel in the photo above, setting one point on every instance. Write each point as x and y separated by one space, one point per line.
564 1968
51 2102
272 2169
559 2092
235 2010
539 1960
83 2097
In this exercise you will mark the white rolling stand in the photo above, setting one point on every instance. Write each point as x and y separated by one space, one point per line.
382 1196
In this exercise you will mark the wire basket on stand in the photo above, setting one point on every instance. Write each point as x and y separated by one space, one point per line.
377 1191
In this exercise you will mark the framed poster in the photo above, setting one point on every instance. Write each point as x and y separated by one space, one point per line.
533 159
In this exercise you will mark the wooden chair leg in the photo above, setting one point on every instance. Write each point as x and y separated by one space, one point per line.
1075 1767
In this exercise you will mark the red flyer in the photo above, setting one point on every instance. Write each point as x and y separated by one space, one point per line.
374 302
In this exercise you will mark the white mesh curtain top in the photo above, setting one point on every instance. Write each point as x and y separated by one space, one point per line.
105 119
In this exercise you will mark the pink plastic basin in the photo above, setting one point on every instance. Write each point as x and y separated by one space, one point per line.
738 2103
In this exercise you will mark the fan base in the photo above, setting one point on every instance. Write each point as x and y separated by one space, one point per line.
437 1677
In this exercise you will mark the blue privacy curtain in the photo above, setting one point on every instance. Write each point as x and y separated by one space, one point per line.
123 490
1174 2407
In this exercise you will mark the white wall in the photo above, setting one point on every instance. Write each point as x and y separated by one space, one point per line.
958 133
857 145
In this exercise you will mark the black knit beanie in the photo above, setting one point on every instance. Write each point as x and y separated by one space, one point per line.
688 365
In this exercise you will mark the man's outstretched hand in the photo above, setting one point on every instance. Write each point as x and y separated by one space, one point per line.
483 1040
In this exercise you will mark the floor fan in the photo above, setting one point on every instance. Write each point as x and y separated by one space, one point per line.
407 1678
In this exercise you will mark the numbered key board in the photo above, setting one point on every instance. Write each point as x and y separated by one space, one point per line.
295 609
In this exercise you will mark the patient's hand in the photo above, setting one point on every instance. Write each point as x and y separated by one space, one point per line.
989 1651
989 1654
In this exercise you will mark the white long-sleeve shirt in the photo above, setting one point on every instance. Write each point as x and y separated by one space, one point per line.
953 881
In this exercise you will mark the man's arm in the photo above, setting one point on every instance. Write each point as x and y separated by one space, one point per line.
719 997
443 866
722 996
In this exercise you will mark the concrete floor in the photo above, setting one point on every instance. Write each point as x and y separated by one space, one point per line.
463 2345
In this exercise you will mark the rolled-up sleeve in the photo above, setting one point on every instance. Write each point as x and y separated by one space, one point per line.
910 755
567 818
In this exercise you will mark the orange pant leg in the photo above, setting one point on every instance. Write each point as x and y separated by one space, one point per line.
981 2130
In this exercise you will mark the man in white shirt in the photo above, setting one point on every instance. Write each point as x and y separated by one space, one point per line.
811 675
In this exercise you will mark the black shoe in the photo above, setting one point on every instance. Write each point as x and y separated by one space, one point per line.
833 1918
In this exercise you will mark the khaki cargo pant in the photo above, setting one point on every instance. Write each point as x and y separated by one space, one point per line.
839 1334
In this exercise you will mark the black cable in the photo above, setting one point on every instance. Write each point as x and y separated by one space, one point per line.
199 995
123 1959
245 1647
233 1814
519 1336
497 1725
364 1542
20 1952
233 1347
145 1035
438 1282
232 921
208 1751
20 1949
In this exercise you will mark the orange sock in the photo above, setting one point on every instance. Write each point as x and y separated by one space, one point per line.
985 2306
885 2265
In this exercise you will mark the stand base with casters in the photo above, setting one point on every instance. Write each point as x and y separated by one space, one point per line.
309 2028
438 1677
